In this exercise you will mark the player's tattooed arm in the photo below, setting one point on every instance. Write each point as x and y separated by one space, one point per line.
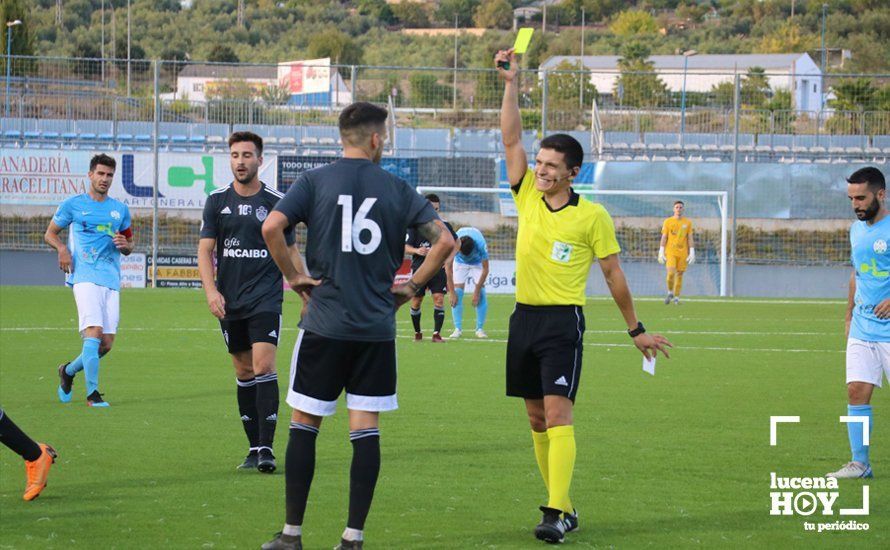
431 230
441 243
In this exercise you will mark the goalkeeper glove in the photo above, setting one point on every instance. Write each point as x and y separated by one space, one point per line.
661 258
691 258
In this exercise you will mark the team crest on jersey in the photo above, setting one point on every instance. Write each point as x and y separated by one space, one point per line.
880 246
261 213
115 214
562 252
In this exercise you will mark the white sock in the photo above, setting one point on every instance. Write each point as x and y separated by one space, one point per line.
292 530
352 534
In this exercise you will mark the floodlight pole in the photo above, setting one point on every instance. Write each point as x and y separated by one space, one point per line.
9 26
583 72
686 55
454 83
128 48
822 76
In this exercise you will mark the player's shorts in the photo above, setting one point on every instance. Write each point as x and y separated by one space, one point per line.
676 261
867 361
544 350
97 306
321 368
242 334
436 285
467 274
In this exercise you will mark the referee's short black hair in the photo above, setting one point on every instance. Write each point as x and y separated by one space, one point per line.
432 197
572 152
240 137
104 160
467 245
361 119
870 175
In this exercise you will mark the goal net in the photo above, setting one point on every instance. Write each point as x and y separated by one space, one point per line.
638 217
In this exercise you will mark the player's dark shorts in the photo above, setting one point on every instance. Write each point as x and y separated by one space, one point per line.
321 368
241 334
544 350
436 285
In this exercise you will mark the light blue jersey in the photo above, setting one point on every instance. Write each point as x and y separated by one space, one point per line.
480 252
91 228
870 246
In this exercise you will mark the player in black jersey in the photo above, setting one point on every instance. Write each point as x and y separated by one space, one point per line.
247 292
441 283
357 215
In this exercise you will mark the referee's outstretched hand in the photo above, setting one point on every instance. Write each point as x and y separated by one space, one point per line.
303 285
650 344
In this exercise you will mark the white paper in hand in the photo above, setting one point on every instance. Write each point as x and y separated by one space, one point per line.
649 366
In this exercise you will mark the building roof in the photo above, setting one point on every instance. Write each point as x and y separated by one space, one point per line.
212 70
701 62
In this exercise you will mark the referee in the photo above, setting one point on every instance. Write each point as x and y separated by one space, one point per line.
560 234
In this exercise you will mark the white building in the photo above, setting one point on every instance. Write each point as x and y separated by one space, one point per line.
792 71
310 83
198 80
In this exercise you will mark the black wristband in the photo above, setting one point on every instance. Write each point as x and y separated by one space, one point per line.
637 331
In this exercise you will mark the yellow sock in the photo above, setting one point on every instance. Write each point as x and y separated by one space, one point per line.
542 450
670 280
561 465
678 283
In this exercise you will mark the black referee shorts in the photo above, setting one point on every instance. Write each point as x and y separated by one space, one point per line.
242 334
436 285
544 350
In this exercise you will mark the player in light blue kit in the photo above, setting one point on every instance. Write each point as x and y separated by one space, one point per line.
98 233
868 311
470 265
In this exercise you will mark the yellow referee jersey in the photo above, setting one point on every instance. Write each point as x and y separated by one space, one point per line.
554 248
677 231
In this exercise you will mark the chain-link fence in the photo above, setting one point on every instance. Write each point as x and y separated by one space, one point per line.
779 143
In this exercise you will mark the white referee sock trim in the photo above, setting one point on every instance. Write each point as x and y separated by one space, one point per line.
353 534
292 530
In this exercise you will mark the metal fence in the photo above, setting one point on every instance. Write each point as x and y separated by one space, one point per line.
447 121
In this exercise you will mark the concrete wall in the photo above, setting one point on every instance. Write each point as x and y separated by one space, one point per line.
40 268
30 268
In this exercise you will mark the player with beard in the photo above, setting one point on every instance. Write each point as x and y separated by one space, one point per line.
247 292
868 312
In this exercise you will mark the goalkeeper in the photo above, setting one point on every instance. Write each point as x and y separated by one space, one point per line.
676 251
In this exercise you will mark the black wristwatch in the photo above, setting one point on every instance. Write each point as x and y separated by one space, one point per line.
637 331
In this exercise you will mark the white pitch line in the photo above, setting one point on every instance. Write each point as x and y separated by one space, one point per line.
498 331
702 332
468 339
474 340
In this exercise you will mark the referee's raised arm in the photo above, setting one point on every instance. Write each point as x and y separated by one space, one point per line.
511 121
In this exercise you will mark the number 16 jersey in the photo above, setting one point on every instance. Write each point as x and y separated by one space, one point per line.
356 214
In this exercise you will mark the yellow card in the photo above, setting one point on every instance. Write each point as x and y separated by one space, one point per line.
522 40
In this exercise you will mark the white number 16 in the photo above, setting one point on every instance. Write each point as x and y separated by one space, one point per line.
352 228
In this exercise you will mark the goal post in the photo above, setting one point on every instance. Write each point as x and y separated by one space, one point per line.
638 216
